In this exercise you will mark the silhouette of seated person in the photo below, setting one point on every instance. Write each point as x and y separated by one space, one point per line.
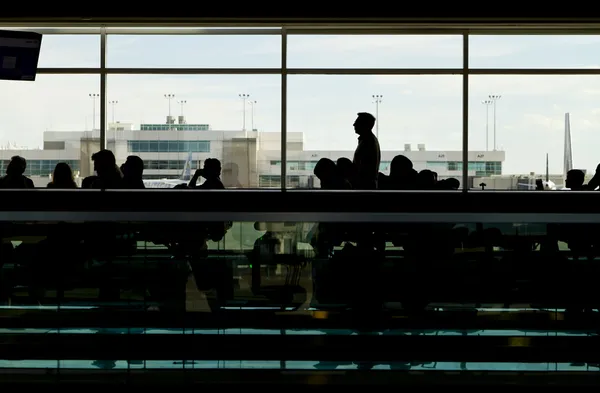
14 177
133 170
62 177
426 180
205 271
575 180
402 175
329 175
367 155
347 170
108 174
89 180
323 236
577 236
450 183
230 175
211 172
423 235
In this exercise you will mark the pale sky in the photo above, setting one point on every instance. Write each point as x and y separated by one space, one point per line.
415 109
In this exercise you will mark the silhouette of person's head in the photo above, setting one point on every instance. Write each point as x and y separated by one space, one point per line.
364 123
105 162
16 166
346 168
212 168
325 170
575 179
62 174
133 167
400 166
426 179
451 184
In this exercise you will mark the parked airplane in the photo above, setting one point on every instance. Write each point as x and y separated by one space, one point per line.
547 184
184 178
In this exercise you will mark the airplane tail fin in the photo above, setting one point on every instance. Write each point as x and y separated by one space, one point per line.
568 152
187 169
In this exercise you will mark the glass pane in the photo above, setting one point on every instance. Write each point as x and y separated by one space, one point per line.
375 51
418 117
233 118
69 51
534 51
50 121
193 51
527 117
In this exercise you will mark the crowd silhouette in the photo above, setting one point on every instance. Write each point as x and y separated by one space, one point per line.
362 172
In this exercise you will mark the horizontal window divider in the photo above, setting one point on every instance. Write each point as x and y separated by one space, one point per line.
323 71
146 31
534 71
191 71
533 29
373 30
56 30
375 71
192 31
311 29
56 70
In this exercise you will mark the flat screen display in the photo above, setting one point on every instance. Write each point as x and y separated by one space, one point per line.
19 55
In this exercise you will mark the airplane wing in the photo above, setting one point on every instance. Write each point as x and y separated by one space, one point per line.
548 186
163 183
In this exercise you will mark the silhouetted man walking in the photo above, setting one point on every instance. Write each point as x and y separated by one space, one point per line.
367 155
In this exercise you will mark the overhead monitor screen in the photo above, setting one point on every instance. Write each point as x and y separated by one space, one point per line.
19 54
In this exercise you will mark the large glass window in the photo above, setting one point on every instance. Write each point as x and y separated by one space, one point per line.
217 93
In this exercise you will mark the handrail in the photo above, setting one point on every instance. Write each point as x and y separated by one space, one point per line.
292 216
300 205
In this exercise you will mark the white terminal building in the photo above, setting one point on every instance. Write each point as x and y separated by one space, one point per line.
249 159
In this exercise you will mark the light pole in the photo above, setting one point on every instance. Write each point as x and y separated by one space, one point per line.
244 97
252 105
182 103
487 104
93 96
113 103
169 97
377 100
494 99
